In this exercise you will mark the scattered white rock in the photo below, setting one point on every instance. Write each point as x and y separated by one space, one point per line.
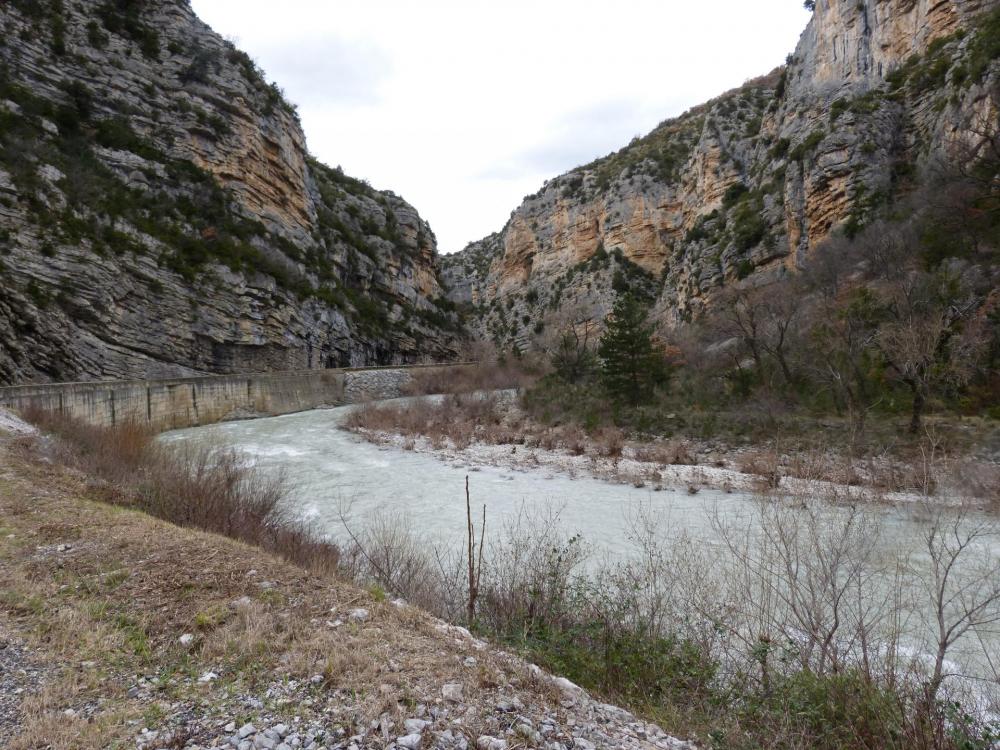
415 726
409 742
246 730
570 690
453 691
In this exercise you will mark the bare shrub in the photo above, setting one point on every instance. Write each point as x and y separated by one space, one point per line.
487 375
199 487
461 418
808 581
528 578
610 442
573 439
764 464
962 581
671 453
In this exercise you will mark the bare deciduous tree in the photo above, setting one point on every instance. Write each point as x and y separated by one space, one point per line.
963 582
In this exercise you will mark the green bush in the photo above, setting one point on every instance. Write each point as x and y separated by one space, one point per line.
116 133
124 18
985 46
837 109
807 146
627 662
95 37
744 269
747 223
38 295
831 712
733 194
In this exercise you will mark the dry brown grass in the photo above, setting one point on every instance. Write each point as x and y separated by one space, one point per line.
670 453
112 603
763 464
610 442
488 375
201 487
460 418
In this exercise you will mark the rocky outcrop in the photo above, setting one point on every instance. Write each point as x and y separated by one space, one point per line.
850 44
160 214
749 183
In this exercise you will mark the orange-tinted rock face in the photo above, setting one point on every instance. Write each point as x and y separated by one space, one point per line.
751 181
265 169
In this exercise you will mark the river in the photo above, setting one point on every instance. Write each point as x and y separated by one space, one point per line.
332 472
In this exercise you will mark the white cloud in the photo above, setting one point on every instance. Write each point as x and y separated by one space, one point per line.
465 106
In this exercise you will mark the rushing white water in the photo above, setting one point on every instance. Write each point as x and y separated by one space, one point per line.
329 468
332 471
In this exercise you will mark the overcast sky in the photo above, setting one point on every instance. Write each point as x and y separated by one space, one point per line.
465 106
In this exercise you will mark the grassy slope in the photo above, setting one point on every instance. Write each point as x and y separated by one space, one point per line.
110 608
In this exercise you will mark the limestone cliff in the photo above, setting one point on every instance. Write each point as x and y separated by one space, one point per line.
160 213
750 182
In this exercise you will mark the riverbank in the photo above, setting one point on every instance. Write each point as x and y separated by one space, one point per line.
663 631
492 430
121 630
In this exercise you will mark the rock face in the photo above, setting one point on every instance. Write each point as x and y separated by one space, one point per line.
160 214
750 182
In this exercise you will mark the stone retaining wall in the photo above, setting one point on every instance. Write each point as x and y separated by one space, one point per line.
187 402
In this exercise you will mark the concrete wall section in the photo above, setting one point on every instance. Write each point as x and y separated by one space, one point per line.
186 402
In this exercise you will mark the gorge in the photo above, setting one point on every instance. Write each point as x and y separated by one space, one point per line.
708 430
741 190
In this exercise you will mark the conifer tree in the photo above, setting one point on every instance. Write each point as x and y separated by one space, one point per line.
631 366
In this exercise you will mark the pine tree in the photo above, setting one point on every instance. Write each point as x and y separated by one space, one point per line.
631 365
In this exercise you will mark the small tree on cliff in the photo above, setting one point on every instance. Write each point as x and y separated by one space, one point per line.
631 366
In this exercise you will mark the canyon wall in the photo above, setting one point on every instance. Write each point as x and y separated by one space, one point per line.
160 214
744 187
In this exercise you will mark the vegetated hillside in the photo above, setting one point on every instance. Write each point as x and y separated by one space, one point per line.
160 213
748 185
